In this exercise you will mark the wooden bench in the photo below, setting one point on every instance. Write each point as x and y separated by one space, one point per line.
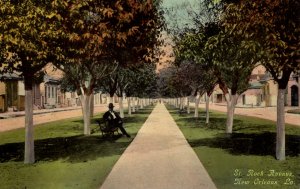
106 130
182 111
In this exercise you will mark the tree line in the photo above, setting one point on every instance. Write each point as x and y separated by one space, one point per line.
224 42
92 42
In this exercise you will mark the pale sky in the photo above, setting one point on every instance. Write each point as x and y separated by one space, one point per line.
170 3
179 9
181 15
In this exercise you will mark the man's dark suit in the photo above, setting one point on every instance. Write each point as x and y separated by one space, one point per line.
115 122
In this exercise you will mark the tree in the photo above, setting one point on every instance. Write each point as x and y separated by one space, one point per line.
110 84
26 30
200 70
138 81
276 27
234 59
126 77
146 82
118 83
95 33
190 43
163 82
230 58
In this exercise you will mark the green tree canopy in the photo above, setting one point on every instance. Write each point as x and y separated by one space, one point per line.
275 25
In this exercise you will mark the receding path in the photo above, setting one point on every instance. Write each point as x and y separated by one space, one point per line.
159 158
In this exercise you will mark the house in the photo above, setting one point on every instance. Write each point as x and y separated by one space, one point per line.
49 92
217 96
263 92
253 96
293 90
2 97
12 93
70 99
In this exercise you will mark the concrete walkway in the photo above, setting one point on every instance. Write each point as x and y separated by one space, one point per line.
159 158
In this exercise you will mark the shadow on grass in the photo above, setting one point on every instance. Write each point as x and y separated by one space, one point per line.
78 148
73 149
248 138
142 111
219 123
261 144
215 123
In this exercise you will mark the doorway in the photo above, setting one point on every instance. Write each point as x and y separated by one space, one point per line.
294 96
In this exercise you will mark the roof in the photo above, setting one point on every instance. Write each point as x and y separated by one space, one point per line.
10 76
257 76
50 79
265 78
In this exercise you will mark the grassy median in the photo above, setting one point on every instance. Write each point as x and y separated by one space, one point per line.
64 157
244 159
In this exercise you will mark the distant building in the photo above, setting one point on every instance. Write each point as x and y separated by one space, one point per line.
49 92
293 90
263 91
12 93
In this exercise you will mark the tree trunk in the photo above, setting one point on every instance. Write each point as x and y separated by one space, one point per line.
92 105
179 103
141 103
197 106
207 107
188 105
280 134
133 104
86 111
129 105
231 102
182 103
29 130
101 100
121 107
137 104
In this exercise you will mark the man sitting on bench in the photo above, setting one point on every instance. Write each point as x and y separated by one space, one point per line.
114 120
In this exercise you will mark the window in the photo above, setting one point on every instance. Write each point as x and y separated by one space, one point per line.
46 89
52 94
49 92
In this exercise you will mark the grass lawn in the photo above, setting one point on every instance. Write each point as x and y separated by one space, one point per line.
65 158
246 159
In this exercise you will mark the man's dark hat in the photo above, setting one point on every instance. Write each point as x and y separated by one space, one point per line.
110 105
